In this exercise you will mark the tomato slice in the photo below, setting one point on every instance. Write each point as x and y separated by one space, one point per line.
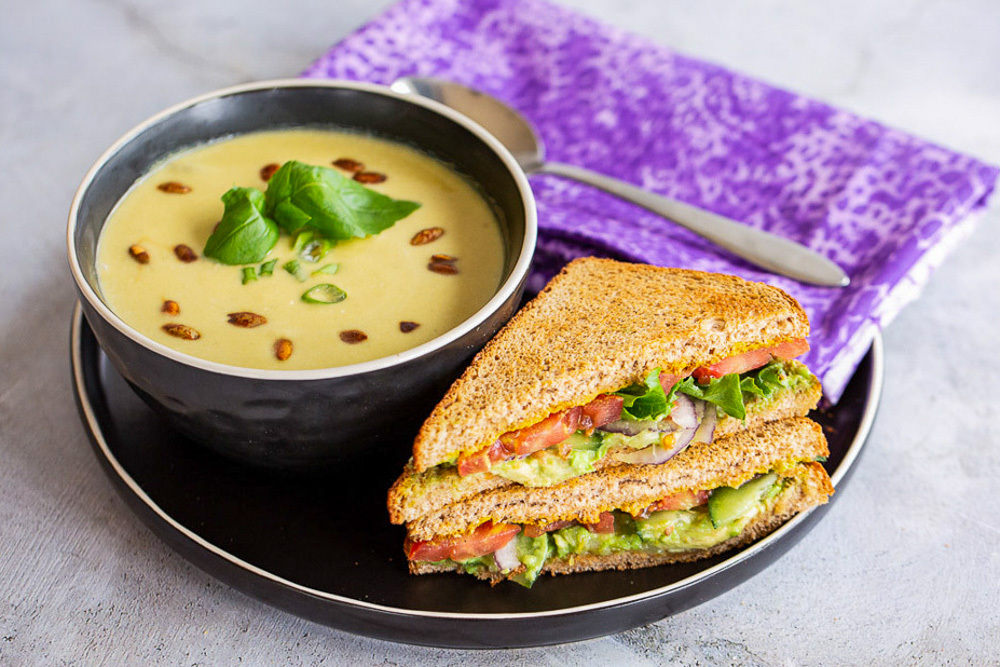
482 460
485 539
683 500
538 531
606 524
550 431
741 363
667 381
602 410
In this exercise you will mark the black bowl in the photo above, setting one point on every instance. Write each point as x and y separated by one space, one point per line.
308 418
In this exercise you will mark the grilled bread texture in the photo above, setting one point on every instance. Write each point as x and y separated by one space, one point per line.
417 494
811 488
727 461
598 326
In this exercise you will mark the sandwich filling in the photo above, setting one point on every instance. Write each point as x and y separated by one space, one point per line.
688 521
657 418
646 423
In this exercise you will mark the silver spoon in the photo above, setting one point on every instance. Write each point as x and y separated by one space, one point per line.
774 253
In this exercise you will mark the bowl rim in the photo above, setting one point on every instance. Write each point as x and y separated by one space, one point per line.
503 293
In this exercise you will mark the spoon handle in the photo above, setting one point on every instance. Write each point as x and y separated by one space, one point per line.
774 253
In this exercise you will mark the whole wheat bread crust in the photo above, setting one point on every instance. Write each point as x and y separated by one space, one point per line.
596 327
408 499
813 488
725 462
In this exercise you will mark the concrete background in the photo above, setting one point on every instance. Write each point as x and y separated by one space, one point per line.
904 568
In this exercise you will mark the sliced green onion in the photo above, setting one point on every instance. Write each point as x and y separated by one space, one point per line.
328 269
267 268
311 247
295 268
301 239
249 274
324 293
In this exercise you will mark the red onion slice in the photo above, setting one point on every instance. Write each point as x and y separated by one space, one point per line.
506 556
706 429
699 409
632 427
685 413
658 453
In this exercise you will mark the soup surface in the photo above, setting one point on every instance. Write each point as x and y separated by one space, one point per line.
396 299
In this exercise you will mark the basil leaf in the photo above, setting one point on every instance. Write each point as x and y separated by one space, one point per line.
647 400
244 235
300 195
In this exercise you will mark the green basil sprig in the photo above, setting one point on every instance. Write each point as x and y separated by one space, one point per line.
301 199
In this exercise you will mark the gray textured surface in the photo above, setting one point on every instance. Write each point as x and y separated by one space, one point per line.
904 568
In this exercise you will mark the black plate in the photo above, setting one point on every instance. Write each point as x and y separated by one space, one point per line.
323 548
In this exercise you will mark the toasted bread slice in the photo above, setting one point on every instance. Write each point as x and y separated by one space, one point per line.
598 326
811 488
632 488
417 494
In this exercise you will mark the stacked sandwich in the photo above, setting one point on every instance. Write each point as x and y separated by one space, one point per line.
628 416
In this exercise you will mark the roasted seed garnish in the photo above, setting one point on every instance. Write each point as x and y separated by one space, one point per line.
247 320
352 336
174 188
170 307
443 264
139 254
181 331
407 327
267 171
443 268
369 177
185 253
347 164
425 236
282 348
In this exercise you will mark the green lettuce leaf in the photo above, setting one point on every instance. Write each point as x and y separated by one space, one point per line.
725 393
646 401
244 235
301 195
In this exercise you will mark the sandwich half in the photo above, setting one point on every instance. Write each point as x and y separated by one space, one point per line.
613 370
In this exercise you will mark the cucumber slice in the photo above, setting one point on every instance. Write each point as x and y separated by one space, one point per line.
727 504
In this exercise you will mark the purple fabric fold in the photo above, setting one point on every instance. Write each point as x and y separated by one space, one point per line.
884 205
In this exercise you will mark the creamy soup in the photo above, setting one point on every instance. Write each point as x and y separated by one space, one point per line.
404 286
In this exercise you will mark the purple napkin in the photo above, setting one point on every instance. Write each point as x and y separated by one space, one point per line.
884 205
